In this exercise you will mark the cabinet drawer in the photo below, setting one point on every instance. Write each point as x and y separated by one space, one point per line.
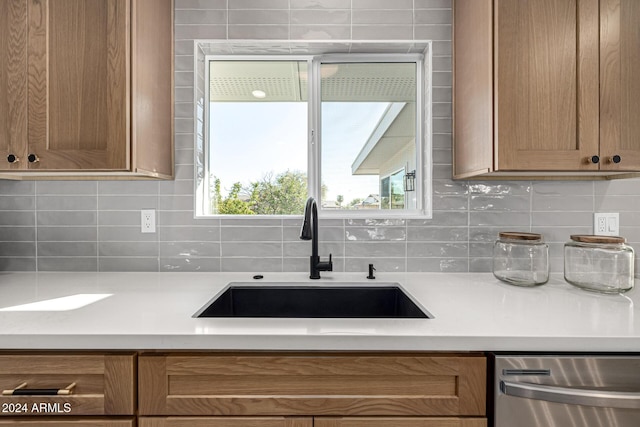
399 422
66 422
104 384
300 384
226 422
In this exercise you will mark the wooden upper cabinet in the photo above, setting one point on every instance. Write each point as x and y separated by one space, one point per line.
544 88
620 86
79 84
13 83
91 88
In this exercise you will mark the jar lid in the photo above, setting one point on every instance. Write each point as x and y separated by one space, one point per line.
516 235
588 238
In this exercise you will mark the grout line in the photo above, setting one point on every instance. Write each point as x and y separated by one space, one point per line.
351 23
158 226
289 26
531 206
413 20
406 244
97 226
344 245
35 216
468 227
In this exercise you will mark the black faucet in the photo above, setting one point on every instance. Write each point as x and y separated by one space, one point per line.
309 231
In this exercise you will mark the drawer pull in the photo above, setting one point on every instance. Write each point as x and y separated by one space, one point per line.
22 391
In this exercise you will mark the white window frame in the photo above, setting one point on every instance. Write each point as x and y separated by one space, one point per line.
422 132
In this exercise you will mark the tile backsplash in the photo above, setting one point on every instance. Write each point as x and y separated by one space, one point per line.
95 226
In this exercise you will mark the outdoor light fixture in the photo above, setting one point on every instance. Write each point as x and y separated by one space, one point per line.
410 181
259 94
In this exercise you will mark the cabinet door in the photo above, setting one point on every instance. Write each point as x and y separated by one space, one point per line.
60 422
620 86
399 422
312 384
78 83
546 70
103 385
13 83
226 422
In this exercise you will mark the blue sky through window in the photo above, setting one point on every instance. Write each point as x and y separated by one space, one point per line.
251 139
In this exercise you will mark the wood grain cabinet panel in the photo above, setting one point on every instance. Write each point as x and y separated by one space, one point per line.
620 86
78 84
398 422
104 384
312 384
92 86
13 83
554 94
226 422
546 90
68 423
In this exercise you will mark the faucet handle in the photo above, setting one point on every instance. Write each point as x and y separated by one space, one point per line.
325 266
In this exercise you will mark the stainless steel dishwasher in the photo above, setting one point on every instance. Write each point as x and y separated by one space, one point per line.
566 391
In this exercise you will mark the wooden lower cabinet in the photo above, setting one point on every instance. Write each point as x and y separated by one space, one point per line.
310 422
312 390
67 422
264 384
398 422
103 385
226 422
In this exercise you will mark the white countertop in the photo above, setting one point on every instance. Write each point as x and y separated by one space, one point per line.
473 312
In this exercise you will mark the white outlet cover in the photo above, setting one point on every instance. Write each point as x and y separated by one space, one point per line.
606 224
148 221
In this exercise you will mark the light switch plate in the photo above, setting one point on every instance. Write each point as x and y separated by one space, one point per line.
606 224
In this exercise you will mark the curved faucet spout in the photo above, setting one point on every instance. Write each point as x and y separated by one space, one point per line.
309 231
310 212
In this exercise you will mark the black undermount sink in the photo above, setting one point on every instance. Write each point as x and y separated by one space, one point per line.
345 300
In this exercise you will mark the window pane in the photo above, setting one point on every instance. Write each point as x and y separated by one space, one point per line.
384 193
368 133
397 190
258 124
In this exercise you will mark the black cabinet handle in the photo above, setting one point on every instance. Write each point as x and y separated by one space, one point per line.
11 158
616 159
594 159
21 390
33 158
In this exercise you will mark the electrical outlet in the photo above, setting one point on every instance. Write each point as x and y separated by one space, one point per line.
606 224
148 220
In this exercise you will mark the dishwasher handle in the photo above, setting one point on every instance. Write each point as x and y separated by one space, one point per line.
572 396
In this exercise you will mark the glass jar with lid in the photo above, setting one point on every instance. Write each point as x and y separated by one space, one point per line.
599 263
521 259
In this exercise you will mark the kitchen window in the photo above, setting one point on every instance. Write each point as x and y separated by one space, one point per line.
343 128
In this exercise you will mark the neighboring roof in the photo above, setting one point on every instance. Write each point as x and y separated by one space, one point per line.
372 199
394 131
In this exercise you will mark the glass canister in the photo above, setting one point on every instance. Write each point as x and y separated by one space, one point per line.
599 263
521 259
